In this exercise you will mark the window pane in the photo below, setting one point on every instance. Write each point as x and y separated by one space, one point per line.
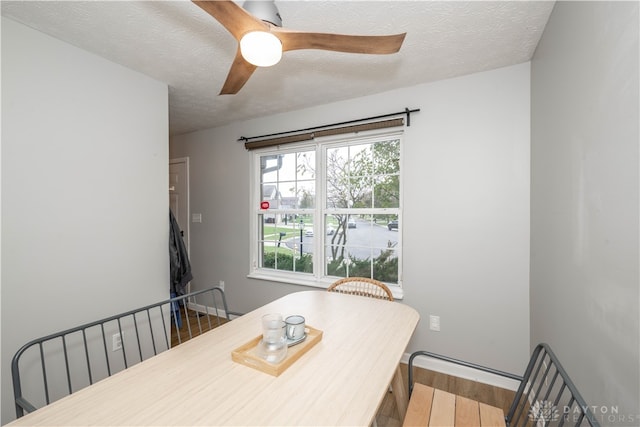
337 178
386 192
386 169
349 178
385 266
364 176
365 247
285 244
288 180
305 194
386 157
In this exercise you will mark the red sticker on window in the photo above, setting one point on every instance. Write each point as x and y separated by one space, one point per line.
264 205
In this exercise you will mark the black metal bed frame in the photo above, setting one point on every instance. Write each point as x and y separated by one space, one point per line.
80 356
546 395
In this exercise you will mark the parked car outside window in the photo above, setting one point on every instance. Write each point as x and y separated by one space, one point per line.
392 224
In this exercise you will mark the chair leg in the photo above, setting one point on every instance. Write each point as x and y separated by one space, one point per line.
400 393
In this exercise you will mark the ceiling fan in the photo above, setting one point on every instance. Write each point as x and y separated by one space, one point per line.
259 21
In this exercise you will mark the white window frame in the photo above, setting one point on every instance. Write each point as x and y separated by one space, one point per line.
320 145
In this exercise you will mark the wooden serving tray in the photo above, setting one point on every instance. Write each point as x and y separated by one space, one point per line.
247 354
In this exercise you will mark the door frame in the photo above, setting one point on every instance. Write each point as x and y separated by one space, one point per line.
187 226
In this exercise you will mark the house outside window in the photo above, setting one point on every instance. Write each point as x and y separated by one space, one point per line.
328 209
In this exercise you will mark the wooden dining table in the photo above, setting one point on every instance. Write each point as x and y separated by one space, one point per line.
341 380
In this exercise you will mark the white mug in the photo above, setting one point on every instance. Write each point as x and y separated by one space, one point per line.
295 327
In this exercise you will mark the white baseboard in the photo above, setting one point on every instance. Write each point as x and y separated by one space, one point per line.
456 370
210 310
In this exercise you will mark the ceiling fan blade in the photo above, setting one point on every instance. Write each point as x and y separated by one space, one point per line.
238 75
239 22
232 17
293 40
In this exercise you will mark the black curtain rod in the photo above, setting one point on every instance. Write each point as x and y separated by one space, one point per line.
406 111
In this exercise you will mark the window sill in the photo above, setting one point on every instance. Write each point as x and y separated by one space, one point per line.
311 281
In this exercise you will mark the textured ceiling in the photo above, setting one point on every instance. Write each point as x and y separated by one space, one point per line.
178 43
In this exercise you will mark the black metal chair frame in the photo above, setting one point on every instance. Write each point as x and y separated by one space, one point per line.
149 326
546 395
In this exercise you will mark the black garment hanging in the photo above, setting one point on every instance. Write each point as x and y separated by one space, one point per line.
180 267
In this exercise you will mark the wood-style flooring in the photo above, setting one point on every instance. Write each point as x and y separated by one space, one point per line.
388 412
198 324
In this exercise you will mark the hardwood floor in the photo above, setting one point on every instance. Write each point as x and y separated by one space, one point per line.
198 323
388 413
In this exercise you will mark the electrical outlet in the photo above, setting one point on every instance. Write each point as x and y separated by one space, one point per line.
434 323
116 342
221 284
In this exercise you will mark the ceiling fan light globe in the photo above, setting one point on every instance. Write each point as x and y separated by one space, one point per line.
261 48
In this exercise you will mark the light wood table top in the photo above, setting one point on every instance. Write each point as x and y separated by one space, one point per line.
433 407
341 380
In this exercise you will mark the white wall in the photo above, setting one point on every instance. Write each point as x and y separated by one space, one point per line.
585 284
466 209
84 190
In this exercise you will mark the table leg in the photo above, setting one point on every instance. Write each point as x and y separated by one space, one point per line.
400 393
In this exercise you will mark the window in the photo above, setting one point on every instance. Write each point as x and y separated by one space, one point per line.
328 209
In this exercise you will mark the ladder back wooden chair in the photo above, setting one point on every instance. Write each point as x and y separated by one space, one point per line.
362 286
